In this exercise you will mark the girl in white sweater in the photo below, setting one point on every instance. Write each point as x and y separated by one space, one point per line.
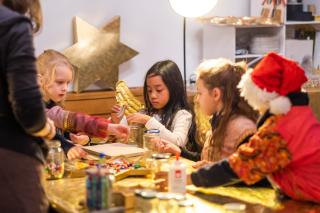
167 108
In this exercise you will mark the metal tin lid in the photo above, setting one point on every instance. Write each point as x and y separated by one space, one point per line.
180 197
185 203
234 207
148 194
165 196
152 131
137 192
161 155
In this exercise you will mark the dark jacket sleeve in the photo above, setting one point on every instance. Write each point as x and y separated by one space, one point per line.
194 156
21 76
216 174
65 144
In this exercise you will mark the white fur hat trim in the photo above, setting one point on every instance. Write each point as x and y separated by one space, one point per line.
261 99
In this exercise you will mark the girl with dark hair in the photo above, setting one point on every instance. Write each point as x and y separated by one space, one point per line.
167 108
232 118
22 117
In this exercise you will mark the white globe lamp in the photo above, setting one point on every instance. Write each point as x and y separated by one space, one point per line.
192 8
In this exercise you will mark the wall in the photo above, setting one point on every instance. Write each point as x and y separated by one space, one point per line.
149 26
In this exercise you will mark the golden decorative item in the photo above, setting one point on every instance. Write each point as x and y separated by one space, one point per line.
97 53
263 196
242 21
202 122
125 97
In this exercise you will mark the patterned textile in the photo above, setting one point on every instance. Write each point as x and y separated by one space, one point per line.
265 153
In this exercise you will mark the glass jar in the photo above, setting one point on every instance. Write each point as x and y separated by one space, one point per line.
149 139
55 161
148 202
135 136
164 204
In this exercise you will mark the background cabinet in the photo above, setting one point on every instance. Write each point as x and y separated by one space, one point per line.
223 40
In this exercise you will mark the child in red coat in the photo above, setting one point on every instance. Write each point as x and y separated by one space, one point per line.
286 147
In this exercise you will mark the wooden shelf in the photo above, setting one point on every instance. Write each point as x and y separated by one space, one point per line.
245 26
96 103
302 22
248 56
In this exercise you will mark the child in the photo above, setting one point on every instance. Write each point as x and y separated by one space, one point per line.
55 73
286 147
167 108
233 119
22 117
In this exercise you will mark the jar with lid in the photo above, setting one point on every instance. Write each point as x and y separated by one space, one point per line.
136 135
149 139
55 160
148 202
165 202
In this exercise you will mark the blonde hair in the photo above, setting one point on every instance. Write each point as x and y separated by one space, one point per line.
225 75
47 63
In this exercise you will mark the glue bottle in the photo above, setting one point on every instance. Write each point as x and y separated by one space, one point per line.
177 177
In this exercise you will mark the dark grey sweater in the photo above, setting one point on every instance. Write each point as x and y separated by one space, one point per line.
21 108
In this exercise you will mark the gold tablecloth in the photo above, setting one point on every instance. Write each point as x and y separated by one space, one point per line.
68 195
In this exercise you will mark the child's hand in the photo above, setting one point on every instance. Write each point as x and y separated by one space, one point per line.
79 138
168 147
138 118
76 152
200 164
119 130
117 112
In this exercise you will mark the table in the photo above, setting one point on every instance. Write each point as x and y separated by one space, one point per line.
68 195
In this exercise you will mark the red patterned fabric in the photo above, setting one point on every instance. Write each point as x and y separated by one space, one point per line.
265 153
78 122
91 125
287 149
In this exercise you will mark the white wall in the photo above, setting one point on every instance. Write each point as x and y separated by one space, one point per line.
315 2
149 26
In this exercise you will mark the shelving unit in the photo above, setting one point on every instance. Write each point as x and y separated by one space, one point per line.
222 40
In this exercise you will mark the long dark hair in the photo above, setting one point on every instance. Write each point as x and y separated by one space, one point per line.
226 77
31 8
171 76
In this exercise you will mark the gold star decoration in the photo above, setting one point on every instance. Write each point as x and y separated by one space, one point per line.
97 53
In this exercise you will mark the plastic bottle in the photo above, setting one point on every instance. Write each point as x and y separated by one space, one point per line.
177 177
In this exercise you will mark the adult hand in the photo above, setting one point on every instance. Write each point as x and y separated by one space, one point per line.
52 132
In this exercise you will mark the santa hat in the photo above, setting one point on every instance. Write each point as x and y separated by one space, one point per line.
269 83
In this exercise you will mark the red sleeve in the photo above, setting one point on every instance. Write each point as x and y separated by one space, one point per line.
265 153
92 125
